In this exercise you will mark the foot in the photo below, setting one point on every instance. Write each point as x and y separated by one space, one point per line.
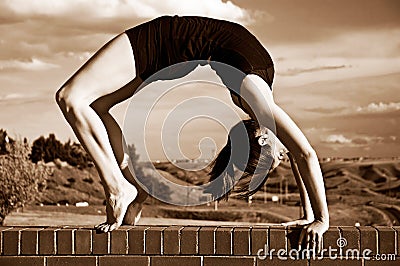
116 208
133 214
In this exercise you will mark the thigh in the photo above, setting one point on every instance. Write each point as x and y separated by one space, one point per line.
109 69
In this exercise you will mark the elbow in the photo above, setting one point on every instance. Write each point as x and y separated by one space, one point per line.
307 155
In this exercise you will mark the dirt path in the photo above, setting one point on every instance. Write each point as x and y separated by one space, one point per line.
48 218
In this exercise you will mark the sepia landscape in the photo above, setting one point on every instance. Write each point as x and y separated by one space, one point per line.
360 191
337 75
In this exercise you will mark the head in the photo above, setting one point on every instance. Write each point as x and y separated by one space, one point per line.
243 163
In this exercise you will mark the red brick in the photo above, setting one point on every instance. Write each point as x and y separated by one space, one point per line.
11 240
382 263
171 240
275 261
229 261
124 260
153 240
293 236
206 240
47 242
22 261
259 239
331 262
223 241
174 261
100 243
30 241
277 238
83 241
368 239
329 239
136 240
397 228
189 240
386 240
71 260
241 241
352 236
2 228
119 241
65 241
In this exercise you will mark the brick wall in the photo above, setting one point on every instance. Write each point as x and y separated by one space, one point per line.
188 245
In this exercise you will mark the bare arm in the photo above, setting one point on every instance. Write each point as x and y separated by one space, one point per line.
308 216
257 93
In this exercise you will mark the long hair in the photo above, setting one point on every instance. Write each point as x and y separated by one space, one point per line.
252 161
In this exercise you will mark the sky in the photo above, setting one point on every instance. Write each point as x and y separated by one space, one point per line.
337 68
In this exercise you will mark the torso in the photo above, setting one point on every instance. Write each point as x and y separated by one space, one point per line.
166 41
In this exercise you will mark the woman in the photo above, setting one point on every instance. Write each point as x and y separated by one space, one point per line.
133 56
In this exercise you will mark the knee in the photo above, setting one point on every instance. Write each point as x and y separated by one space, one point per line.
67 99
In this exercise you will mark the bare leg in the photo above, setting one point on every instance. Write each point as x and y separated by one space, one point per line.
108 70
256 91
102 107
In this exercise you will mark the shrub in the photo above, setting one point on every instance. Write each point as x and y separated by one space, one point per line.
148 181
20 180
49 149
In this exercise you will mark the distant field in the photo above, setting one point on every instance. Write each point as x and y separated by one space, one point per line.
366 192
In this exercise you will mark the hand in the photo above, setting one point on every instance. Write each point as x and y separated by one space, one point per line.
312 233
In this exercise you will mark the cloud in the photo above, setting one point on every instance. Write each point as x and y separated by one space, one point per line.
355 141
370 109
11 96
128 8
344 55
337 139
22 100
379 107
297 71
81 56
46 29
318 130
325 110
33 64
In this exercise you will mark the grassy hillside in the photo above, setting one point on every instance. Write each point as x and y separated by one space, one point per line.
366 192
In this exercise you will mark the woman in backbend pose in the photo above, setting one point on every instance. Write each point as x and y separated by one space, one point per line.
136 54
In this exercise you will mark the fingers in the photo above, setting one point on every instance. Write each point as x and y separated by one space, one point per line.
308 238
314 243
313 240
301 238
105 227
319 243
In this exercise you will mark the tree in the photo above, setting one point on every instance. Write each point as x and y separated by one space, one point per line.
37 150
20 180
50 148
4 140
149 182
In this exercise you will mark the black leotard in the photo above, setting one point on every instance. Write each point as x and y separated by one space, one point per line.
167 40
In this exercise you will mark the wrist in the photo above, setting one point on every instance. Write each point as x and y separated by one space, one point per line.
308 214
323 218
